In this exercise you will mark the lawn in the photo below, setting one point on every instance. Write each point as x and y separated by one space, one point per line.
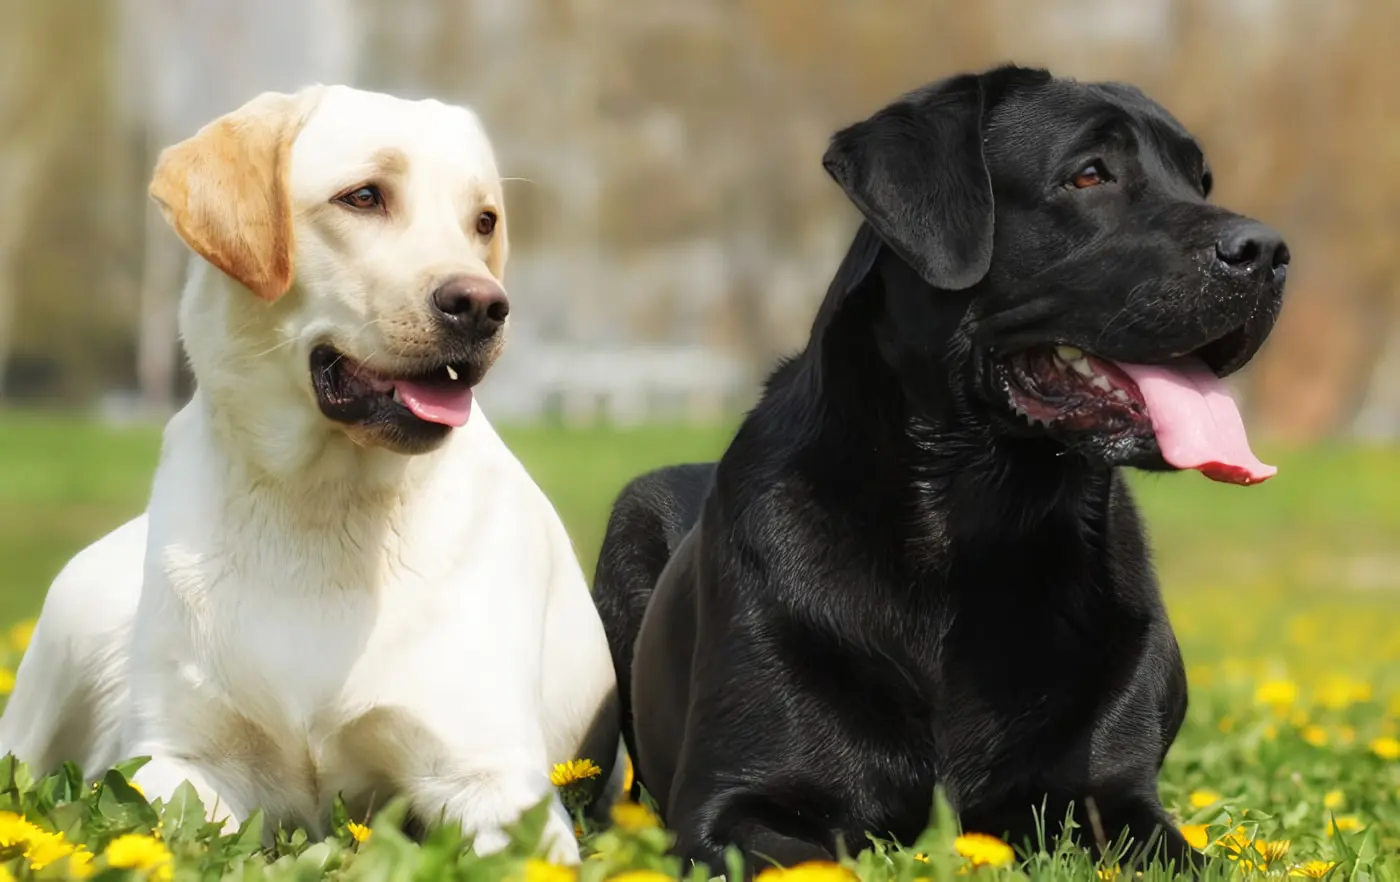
1286 599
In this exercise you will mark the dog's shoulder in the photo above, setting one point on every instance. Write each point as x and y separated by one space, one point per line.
666 499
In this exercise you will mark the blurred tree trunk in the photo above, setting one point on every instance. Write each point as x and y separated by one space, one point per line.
1378 413
32 116
196 67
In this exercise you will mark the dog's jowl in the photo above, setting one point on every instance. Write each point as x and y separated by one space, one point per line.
918 563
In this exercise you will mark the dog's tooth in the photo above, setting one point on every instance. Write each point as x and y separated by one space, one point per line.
1081 366
395 397
451 373
1069 354
1101 383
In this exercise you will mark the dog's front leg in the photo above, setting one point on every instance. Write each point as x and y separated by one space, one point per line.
163 775
484 801
764 831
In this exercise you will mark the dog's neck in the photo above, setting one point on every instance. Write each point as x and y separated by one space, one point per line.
910 398
254 403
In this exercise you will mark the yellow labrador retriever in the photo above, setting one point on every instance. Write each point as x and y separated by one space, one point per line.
344 582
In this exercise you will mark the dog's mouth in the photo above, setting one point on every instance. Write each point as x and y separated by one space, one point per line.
1181 404
350 392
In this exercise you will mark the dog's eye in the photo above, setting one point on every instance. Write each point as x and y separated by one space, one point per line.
486 223
366 198
1090 175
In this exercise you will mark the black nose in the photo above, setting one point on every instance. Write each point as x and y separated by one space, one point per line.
476 304
1251 248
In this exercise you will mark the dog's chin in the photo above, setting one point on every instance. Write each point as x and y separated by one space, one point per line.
410 411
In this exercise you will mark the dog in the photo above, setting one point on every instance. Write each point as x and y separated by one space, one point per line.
918 565
344 583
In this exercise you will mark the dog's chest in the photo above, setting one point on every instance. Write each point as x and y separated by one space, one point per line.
290 696
296 692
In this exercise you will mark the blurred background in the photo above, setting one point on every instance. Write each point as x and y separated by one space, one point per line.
673 232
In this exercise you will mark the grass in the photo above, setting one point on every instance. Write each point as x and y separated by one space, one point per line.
1286 600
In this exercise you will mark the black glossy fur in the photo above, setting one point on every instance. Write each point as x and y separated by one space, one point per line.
888 582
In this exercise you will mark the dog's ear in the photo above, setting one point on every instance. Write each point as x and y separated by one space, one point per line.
916 171
225 192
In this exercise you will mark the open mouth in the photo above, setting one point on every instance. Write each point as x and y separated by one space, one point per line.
350 392
1182 403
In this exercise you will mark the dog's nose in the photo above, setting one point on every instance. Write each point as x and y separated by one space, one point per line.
475 303
1252 247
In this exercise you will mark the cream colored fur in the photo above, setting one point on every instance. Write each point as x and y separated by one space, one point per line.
299 613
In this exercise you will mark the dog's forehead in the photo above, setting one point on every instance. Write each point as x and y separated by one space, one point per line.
353 132
1062 112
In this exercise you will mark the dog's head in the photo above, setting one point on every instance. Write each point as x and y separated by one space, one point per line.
362 242
1105 296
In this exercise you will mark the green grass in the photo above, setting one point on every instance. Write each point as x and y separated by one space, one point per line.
1286 600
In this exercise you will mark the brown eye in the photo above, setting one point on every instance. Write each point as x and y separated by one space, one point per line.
486 223
366 198
1090 175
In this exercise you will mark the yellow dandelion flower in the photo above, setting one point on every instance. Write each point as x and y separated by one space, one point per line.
1236 840
1303 630
633 816
1333 799
1195 835
44 848
1277 693
358 832
1314 735
642 876
1271 852
983 850
1336 693
5 875
1344 824
80 864
920 856
1202 798
136 852
629 774
537 870
809 871
7 681
1346 734
1385 747
21 634
574 771
1313 869
1108 874
16 830
1226 725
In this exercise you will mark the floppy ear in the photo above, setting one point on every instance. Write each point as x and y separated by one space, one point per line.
916 171
225 192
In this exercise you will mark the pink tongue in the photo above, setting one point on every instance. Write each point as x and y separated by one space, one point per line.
442 403
1197 423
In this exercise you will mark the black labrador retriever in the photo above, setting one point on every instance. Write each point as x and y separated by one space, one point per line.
918 563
